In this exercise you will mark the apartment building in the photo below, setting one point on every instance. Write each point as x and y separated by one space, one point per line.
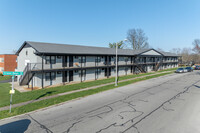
8 62
47 64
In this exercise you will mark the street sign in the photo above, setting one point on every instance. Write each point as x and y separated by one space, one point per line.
12 91
12 73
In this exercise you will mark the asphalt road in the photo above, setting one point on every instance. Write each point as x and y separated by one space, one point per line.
169 104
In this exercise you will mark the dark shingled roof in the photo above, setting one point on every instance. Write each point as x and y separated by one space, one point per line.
53 48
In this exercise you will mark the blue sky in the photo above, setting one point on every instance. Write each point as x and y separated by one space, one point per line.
167 23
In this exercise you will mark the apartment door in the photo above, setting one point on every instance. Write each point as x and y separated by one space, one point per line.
109 60
109 72
105 72
71 76
71 61
105 60
65 76
64 61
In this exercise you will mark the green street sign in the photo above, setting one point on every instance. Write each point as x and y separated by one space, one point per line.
12 73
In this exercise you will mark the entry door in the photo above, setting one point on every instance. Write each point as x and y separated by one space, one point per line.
71 61
65 76
109 60
70 76
65 61
105 60
109 72
105 72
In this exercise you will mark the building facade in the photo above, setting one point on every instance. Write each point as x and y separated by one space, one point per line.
8 62
47 64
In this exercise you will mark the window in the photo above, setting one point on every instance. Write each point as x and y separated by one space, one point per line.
26 53
53 75
83 59
47 59
83 73
59 57
126 59
50 76
47 76
53 59
50 59
98 59
1 59
98 71
59 72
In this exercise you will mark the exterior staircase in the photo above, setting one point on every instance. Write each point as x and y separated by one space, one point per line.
27 75
141 68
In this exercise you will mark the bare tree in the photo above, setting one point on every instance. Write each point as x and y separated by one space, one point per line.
14 51
196 44
159 49
137 39
176 51
120 45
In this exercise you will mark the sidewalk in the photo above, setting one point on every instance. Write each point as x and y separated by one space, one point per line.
65 93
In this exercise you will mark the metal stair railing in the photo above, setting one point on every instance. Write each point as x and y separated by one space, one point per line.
27 70
24 73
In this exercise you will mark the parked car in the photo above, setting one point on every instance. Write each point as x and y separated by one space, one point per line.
197 68
189 69
181 70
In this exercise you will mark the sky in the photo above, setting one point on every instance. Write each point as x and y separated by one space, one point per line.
167 23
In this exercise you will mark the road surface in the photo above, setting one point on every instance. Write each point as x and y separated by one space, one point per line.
168 104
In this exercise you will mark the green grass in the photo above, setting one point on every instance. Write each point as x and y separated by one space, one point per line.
36 94
171 69
4 78
60 99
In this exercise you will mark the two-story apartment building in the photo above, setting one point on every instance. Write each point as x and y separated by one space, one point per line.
46 64
8 62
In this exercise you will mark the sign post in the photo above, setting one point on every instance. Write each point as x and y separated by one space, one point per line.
12 91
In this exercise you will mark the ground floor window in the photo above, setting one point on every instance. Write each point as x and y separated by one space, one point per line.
83 73
50 76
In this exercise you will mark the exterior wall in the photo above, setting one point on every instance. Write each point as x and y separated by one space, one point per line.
26 56
90 61
151 52
8 63
1 63
38 64
121 71
37 80
90 74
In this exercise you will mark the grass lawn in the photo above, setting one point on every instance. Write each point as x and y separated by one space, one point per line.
52 101
4 78
36 94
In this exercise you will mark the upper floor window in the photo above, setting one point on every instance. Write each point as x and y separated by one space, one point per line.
82 59
98 59
50 59
26 53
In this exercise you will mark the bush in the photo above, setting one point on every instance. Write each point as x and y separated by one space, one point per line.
1 74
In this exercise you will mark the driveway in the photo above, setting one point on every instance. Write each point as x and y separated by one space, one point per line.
168 104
